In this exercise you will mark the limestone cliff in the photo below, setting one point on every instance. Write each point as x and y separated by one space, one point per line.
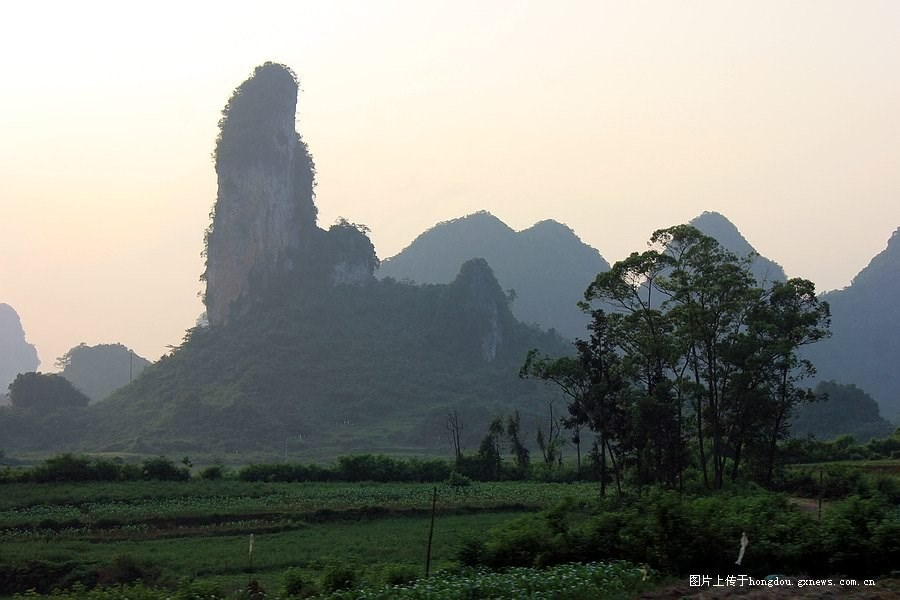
476 310
264 220
16 354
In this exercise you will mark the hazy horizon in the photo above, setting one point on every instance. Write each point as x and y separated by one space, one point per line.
615 119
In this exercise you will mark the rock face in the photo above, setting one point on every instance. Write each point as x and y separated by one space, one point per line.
16 354
723 231
481 309
547 265
264 221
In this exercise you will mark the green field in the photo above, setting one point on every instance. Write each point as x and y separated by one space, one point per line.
166 531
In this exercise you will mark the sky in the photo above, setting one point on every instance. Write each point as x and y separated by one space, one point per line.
616 118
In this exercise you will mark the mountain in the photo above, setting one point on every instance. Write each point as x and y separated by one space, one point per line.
16 354
864 349
846 410
304 346
547 265
100 370
717 226
264 219
331 371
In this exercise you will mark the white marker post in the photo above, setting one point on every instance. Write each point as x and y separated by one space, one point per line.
744 543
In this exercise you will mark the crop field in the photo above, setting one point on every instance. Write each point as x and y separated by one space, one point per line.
164 532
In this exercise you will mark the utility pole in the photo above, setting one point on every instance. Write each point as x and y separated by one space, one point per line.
430 535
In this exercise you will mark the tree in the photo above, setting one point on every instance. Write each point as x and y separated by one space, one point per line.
549 444
454 427
489 450
681 334
593 386
788 317
513 429
45 392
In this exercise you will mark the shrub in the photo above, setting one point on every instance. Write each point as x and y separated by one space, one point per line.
339 577
163 468
63 468
43 576
198 590
295 583
458 480
126 569
212 473
399 574
689 534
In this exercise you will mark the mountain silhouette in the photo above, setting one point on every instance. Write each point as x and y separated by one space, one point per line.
547 265
864 349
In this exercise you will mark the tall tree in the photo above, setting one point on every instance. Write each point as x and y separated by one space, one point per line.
489 451
513 435
454 427
689 336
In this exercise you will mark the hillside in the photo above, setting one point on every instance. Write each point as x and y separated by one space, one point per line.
547 265
864 349
848 410
305 348
100 370
335 371
717 226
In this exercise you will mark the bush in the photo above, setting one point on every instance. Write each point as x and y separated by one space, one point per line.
295 583
837 482
163 468
126 569
860 536
63 468
399 574
458 480
212 473
684 534
198 590
339 577
43 576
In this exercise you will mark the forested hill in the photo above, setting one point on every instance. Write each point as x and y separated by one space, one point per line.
305 347
547 265
329 371
717 226
99 370
864 349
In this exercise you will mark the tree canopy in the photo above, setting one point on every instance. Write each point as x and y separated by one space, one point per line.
45 392
689 363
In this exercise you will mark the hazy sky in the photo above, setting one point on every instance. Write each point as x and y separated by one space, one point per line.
616 118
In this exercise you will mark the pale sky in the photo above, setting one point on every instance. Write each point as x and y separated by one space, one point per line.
616 118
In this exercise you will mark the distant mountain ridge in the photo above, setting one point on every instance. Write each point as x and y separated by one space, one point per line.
547 265
864 349
717 226
100 370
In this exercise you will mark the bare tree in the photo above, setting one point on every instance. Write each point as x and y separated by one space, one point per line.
454 427
550 445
